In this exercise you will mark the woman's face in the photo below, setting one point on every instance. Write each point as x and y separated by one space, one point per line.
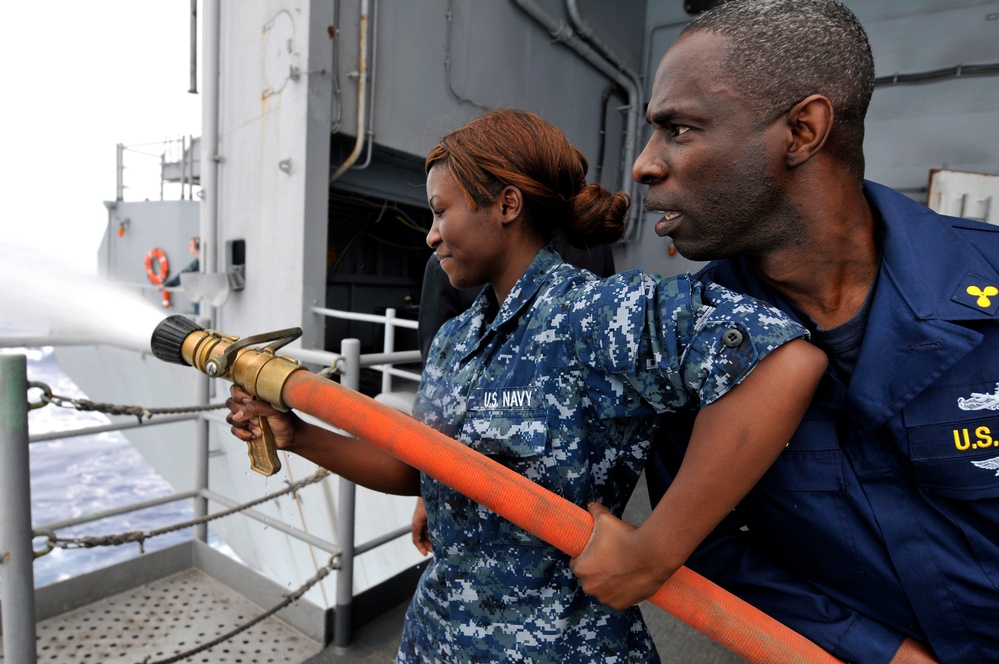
468 243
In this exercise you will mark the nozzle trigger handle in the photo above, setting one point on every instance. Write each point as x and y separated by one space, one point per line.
263 451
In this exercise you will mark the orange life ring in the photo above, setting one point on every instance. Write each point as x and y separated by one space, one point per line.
157 266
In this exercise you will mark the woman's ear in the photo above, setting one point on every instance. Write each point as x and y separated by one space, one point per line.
811 121
510 203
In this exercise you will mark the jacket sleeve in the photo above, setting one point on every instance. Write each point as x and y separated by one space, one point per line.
670 344
731 558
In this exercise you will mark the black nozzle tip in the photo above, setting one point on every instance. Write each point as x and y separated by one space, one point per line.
168 338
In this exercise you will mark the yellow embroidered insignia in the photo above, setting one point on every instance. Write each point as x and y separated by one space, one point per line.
983 295
979 293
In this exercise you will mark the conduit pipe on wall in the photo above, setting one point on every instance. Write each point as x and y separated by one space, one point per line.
635 111
617 73
584 30
193 89
208 227
362 93
370 133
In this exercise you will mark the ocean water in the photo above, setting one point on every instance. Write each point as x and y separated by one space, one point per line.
86 474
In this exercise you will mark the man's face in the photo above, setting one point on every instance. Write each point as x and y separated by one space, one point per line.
712 169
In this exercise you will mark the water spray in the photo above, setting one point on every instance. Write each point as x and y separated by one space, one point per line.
740 627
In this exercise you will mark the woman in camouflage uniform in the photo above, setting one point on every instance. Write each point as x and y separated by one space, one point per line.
560 376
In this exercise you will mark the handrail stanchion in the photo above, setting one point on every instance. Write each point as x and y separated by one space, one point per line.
17 576
388 347
201 390
346 491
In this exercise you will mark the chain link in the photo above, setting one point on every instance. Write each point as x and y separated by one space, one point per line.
109 408
42 400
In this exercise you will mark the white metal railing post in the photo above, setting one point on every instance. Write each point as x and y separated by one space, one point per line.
120 168
201 389
346 492
17 576
388 347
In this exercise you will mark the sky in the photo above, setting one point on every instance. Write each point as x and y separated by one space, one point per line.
79 78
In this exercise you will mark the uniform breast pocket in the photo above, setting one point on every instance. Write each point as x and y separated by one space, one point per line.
954 441
953 437
518 440
516 434
957 459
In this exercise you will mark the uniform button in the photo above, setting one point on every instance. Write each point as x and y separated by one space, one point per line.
732 338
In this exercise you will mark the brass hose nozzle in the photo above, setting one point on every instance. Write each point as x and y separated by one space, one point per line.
257 370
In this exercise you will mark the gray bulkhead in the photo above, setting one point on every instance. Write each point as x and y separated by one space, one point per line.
290 73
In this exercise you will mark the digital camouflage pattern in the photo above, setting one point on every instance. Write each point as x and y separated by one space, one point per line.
562 385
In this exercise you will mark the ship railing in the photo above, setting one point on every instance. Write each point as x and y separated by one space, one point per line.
17 532
350 363
390 357
178 162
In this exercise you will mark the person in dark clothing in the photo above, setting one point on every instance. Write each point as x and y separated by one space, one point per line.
194 246
440 301
876 532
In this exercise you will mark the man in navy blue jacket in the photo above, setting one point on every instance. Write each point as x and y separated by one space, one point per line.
876 533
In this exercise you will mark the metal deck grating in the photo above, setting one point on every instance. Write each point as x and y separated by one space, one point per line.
164 618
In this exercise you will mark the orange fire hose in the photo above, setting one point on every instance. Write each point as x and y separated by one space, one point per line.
723 617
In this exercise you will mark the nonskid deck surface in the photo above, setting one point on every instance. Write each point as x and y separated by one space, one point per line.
164 618
178 612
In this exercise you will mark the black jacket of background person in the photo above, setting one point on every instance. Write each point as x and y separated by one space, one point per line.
440 301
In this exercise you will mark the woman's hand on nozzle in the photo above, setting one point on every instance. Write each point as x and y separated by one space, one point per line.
244 414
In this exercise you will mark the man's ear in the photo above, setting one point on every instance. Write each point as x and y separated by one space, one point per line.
510 202
811 122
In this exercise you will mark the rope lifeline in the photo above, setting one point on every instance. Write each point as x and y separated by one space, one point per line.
140 536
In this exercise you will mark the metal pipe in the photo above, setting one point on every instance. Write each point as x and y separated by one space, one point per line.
584 30
346 494
371 105
186 166
399 373
388 345
398 357
120 168
17 578
201 389
635 109
362 91
194 48
376 542
565 34
271 522
370 318
104 428
377 360
183 168
124 509
208 228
